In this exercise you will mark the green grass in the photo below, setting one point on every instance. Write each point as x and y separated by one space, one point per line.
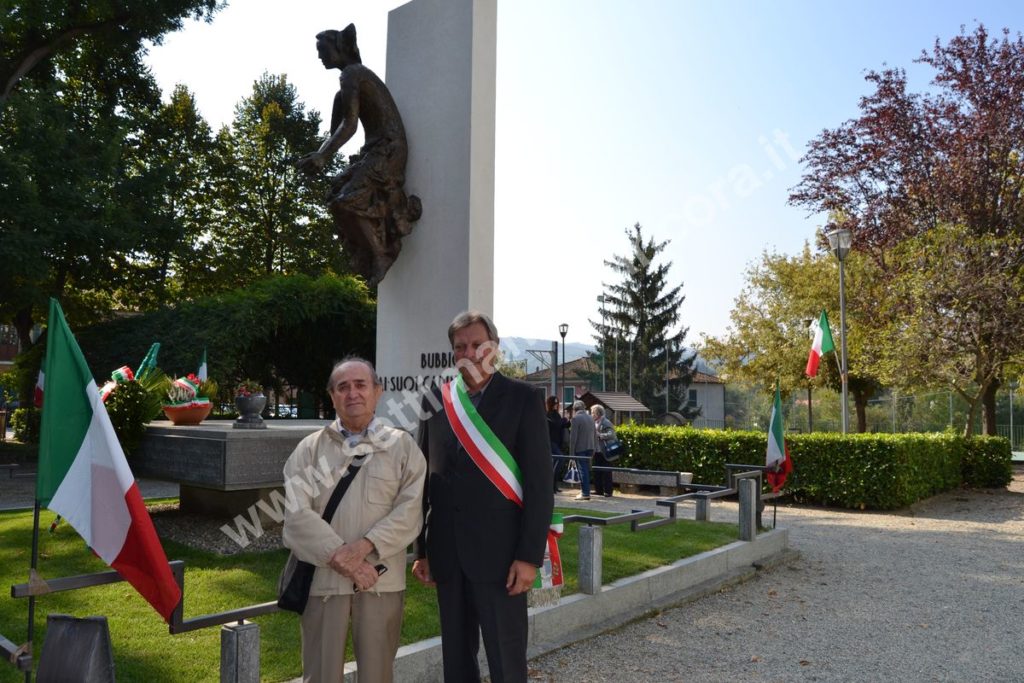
145 651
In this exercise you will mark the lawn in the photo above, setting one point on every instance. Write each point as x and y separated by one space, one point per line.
145 651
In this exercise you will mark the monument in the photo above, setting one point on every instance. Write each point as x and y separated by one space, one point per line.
441 69
371 211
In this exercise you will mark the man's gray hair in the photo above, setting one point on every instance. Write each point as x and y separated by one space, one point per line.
597 409
579 405
467 318
352 359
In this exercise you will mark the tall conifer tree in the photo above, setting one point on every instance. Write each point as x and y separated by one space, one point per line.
638 316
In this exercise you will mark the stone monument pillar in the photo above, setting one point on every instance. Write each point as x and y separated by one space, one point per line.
441 63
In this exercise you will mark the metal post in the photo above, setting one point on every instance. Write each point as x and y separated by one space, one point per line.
563 329
554 368
1013 385
666 377
842 329
616 361
604 344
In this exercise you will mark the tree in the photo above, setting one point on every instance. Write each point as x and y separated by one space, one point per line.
954 312
271 219
638 313
170 167
768 338
66 225
36 30
913 162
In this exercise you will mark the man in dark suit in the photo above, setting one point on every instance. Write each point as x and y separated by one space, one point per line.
481 547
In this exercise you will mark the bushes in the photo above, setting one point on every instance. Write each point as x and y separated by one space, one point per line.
25 423
986 461
861 471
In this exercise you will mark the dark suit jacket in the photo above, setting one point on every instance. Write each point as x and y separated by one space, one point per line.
469 523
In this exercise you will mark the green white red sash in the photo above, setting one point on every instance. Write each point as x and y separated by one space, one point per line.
488 453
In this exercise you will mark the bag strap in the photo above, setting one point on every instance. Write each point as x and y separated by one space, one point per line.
342 486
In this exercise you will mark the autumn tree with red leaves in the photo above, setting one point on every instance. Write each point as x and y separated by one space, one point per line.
931 185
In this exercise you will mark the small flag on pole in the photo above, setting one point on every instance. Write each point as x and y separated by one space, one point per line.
202 372
778 453
822 344
84 477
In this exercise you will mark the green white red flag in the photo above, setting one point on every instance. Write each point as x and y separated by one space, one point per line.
821 345
777 456
85 478
203 371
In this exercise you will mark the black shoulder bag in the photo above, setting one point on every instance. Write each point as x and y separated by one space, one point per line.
297 576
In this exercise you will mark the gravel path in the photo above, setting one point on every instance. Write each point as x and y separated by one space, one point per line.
933 593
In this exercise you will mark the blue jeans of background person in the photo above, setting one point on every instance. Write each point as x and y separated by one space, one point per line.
583 462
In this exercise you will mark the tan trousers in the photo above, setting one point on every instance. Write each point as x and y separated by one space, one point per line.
376 630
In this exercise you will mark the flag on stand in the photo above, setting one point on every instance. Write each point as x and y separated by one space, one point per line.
201 373
37 395
822 344
84 477
778 453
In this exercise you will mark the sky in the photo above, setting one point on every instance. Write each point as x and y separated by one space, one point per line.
687 117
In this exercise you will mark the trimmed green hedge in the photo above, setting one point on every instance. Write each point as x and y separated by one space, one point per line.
860 471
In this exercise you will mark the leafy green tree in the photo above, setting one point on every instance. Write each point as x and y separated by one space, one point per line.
955 313
769 335
272 220
34 31
170 168
66 223
914 162
637 317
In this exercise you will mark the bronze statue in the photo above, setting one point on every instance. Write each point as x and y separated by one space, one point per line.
371 210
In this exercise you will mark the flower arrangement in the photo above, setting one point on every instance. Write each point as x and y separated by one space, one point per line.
189 391
249 387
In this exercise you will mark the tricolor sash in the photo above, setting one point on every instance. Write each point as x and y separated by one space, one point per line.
488 453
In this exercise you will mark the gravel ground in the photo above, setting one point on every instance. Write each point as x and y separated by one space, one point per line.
933 593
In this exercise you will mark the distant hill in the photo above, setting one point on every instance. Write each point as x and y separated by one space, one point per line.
516 348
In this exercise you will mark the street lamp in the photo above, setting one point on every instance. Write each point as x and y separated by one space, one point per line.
604 342
839 242
563 329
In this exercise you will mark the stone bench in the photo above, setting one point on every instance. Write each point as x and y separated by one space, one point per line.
667 483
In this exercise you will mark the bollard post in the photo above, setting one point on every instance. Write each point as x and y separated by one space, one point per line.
240 653
748 509
591 546
703 512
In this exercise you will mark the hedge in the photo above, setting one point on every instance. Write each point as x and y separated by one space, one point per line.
859 471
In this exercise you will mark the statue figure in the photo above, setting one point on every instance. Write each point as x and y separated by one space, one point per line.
371 210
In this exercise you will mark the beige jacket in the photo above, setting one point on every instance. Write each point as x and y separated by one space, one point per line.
384 503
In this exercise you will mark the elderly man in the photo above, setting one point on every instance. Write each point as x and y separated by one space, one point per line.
360 554
489 505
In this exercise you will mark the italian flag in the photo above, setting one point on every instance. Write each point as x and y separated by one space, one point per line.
822 344
777 456
84 477
202 372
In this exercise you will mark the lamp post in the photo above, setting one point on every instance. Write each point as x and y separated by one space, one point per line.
839 242
1013 385
604 343
563 329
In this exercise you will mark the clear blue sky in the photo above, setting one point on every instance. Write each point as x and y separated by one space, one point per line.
687 117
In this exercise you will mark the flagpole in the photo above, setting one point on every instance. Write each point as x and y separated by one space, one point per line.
31 579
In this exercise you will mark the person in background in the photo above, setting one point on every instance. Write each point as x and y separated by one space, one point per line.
582 444
556 427
605 434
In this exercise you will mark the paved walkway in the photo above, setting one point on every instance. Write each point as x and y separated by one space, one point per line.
18 492
933 593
